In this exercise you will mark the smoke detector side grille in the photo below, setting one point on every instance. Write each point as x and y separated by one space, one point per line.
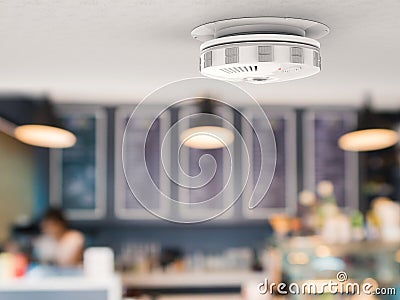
296 55
316 59
208 59
265 54
232 55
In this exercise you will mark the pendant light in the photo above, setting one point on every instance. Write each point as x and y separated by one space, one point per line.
44 130
206 129
373 133
35 123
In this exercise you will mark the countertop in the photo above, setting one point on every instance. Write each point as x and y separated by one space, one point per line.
201 297
191 279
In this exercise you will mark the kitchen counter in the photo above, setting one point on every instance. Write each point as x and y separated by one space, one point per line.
61 288
201 297
160 280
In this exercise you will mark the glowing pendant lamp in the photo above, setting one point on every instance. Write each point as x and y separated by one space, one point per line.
44 129
206 130
373 133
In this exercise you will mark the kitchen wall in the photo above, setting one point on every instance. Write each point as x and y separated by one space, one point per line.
17 173
188 238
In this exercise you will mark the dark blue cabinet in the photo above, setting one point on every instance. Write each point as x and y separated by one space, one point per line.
216 195
79 179
78 174
282 193
324 160
126 206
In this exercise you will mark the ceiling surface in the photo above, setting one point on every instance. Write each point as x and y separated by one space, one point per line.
119 51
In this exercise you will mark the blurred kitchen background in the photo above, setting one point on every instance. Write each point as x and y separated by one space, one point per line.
327 209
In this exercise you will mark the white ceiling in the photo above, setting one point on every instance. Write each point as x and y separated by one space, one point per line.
119 51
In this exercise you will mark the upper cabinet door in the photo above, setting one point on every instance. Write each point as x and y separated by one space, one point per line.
281 195
78 174
324 160
126 205
205 175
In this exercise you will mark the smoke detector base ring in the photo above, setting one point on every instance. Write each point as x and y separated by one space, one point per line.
260 50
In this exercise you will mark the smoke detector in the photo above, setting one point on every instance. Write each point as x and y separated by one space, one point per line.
260 50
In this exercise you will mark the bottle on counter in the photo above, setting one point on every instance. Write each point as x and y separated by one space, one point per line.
335 226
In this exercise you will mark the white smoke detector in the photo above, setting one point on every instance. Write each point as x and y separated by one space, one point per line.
260 50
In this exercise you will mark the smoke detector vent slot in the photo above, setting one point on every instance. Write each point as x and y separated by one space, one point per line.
242 69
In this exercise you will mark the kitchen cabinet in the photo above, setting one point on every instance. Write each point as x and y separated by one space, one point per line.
216 194
78 174
282 193
324 160
126 206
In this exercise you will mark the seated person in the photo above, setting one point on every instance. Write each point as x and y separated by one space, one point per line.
59 245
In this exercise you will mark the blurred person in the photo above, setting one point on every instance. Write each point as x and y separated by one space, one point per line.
58 244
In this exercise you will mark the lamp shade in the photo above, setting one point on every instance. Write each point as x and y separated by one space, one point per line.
368 139
373 133
44 136
44 130
207 137
206 129
35 122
